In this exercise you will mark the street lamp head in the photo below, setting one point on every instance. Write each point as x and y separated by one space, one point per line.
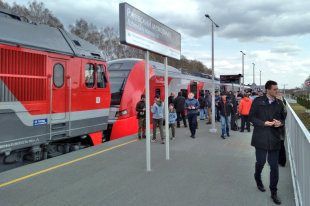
216 25
207 15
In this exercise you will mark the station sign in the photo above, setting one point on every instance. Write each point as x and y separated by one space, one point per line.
231 79
307 82
139 30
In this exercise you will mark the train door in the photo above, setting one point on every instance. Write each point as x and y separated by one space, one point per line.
193 88
59 90
58 102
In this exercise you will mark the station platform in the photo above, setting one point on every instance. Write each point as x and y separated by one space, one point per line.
205 171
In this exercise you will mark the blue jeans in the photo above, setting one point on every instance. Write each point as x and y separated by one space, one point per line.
202 112
192 122
225 122
273 157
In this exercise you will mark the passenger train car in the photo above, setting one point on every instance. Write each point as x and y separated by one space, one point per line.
127 81
54 91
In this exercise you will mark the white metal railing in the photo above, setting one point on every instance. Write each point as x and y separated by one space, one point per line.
298 142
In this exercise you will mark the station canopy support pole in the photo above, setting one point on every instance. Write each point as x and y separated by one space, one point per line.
147 103
166 110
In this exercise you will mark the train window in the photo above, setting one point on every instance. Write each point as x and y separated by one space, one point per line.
157 91
58 75
115 66
101 77
89 76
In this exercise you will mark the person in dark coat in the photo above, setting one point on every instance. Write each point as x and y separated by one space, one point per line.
217 111
282 153
203 110
192 106
225 107
140 108
208 105
171 98
179 106
267 116
233 100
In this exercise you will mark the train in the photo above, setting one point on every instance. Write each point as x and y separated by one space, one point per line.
55 91
127 82
58 93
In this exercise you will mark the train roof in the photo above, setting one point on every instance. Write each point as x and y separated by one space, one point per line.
158 69
43 37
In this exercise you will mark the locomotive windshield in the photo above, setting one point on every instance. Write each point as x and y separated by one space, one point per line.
118 77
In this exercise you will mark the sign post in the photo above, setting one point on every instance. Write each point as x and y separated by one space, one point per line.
147 122
141 31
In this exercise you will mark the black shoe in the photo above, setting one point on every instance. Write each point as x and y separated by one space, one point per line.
223 136
193 136
143 136
139 138
178 126
275 198
185 125
249 130
208 123
241 130
260 185
228 135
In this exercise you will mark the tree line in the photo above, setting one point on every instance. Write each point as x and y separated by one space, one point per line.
106 39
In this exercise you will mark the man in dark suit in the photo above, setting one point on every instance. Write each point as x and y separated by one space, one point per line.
267 116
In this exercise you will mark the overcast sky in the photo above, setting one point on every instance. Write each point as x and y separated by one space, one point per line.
274 34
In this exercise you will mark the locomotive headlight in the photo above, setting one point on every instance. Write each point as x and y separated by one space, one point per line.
121 113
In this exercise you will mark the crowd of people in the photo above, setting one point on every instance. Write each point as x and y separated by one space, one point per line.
265 111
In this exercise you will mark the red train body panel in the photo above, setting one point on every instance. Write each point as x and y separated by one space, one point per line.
54 91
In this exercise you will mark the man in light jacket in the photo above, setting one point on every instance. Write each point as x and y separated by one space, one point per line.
158 114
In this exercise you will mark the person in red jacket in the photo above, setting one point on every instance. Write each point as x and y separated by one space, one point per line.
244 110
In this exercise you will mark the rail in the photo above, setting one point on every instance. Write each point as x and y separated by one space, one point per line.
298 141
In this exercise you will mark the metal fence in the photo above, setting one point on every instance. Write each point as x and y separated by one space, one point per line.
298 142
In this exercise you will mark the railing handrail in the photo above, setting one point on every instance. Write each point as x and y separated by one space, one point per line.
298 142
300 123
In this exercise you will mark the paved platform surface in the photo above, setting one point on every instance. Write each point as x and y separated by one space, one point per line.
206 171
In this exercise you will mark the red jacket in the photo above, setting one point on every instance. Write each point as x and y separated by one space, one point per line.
245 106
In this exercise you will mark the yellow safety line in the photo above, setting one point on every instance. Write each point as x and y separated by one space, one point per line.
64 164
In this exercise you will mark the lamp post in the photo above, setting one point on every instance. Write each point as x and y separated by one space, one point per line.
213 129
253 74
242 71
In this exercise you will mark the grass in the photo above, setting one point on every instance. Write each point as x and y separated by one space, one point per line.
301 113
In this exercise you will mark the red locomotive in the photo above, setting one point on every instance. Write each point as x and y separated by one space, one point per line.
127 81
54 91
